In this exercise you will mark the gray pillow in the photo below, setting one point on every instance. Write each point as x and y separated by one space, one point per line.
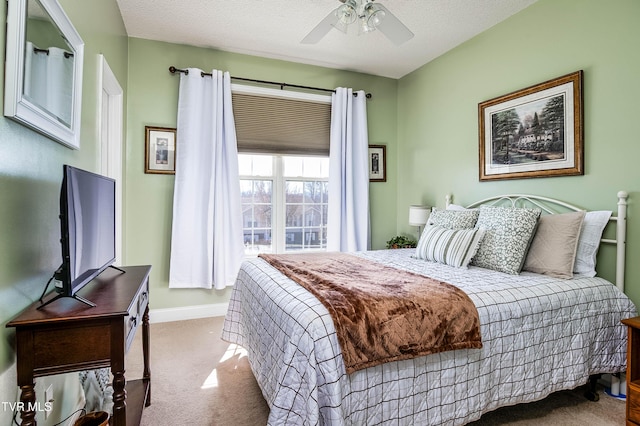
453 219
508 234
554 245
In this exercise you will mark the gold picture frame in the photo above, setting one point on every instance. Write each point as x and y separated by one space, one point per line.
533 132
160 150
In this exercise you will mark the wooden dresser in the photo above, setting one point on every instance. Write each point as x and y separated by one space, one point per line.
633 371
68 335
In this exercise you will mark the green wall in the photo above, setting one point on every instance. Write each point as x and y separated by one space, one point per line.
30 176
438 118
428 120
152 101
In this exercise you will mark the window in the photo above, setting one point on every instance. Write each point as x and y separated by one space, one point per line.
284 202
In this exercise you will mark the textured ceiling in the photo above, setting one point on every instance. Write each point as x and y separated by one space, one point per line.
274 29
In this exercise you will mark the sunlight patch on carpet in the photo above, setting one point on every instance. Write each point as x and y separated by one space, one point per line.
233 351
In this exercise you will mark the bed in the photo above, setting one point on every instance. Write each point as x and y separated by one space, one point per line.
540 334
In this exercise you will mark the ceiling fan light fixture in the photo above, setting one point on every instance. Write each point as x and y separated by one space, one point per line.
371 15
347 13
374 15
365 27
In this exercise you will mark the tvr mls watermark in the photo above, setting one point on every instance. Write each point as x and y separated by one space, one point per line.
29 406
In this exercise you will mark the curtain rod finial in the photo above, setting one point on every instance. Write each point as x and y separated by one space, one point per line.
174 70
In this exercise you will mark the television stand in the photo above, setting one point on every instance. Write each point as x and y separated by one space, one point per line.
66 337
75 296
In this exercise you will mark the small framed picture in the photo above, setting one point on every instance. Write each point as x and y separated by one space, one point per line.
160 150
377 163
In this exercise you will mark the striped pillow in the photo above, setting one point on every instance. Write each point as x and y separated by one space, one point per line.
453 247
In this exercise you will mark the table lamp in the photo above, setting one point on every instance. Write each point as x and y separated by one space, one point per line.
418 216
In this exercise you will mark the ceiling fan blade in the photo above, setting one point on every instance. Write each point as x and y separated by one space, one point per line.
321 30
391 27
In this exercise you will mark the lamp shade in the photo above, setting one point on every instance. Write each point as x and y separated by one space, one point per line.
418 215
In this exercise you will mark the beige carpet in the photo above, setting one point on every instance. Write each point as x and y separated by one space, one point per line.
197 379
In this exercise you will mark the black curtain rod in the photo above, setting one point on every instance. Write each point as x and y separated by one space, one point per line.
174 70
38 50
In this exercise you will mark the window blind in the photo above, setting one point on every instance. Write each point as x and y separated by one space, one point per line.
275 125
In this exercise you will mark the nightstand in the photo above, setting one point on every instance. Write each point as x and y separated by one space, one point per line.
633 371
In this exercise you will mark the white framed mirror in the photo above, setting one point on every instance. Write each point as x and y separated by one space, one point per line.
43 70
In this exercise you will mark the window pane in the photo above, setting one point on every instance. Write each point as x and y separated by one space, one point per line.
308 167
247 216
246 191
313 216
255 165
244 165
294 215
293 191
313 192
293 239
256 191
262 190
256 215
292 166
313 238
312 167
257 241
262 215
306 238
306 219
262 165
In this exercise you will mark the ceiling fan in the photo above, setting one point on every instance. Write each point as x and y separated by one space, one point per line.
371 15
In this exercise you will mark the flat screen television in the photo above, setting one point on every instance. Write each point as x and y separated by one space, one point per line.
88 229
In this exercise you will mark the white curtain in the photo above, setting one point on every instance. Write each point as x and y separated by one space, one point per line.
348 216
207 240
49 80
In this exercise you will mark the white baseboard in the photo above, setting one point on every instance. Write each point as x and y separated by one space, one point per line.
188 312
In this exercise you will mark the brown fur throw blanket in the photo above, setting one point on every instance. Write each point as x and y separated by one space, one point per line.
380 313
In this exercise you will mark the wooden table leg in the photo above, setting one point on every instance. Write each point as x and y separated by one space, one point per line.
117 369
146 374
28 400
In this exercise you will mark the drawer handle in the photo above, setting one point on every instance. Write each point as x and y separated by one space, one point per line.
134 320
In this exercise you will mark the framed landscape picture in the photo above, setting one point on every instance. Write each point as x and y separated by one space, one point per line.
533 132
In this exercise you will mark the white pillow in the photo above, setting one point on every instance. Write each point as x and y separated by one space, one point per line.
456 207
453 247
589 242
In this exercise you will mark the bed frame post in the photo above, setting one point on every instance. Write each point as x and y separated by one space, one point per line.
621 238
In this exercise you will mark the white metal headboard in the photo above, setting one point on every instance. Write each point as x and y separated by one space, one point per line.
553 206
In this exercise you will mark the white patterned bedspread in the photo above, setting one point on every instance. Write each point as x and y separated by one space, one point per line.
539 334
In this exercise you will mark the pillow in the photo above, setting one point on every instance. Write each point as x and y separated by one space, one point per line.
554 245
508 234
453 219
457 207
589 242
453 247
